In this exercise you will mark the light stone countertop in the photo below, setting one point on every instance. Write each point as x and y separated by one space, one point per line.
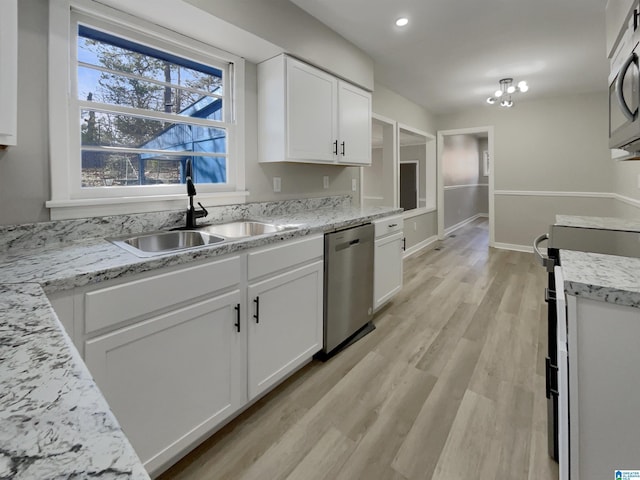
54 422
604 223
607 278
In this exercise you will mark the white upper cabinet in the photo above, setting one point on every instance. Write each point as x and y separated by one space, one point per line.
354 122
8 71
307 115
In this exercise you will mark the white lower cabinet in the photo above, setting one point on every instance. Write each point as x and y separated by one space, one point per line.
285 325
172 378
177 353
387 277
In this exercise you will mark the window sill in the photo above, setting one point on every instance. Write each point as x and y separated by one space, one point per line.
418 211
98 207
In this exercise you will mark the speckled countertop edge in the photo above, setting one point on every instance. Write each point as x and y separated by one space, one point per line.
606 278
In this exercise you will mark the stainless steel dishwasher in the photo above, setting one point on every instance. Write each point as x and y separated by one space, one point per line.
348 286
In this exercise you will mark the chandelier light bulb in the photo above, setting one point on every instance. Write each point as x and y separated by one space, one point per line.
507 87
402 22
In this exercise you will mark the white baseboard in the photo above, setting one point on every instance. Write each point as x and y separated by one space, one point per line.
513 246
419 246
450 230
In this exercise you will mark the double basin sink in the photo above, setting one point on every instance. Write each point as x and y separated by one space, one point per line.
158 243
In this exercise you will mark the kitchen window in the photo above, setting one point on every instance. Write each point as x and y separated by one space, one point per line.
140 102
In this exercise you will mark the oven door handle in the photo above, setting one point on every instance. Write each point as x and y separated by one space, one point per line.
544 260
631 116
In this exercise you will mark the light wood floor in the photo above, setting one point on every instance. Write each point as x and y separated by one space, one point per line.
449 386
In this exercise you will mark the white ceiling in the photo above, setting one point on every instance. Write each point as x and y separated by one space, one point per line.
453 52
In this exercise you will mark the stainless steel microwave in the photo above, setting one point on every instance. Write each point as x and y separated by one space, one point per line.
624 103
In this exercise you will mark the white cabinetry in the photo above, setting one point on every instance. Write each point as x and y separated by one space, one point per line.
387 277
172 378
285 310
604 388
307 115
169 350
8 71
179 370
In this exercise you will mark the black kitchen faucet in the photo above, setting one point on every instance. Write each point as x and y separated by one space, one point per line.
192 213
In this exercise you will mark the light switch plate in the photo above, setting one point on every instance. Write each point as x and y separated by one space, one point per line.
325 181
277 184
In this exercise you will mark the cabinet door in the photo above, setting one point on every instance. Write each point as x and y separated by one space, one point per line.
311 113
354 125
387 277
285 325
171 379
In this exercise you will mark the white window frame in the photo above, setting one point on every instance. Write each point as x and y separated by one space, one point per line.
68 199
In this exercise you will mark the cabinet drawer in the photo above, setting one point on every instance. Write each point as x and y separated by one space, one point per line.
282 256
113 305
388 225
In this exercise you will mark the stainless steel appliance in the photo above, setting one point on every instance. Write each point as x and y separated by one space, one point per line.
612 242
348 285
624 91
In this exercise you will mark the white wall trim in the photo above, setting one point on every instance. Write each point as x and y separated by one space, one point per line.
456 187
550 193
628 200
417 212
419 246
514 247
453 228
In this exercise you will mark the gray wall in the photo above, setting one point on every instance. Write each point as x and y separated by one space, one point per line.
288 26
24 169
553 144
462 168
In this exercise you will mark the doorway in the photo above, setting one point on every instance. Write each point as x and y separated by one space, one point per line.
465 179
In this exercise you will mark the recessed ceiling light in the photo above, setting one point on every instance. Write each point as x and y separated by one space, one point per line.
402 21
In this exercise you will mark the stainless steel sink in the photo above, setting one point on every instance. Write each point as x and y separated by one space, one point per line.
151 244
244 228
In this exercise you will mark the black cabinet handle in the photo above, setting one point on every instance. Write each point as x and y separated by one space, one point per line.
237 324
404 244
342 148
335 147
257 314
393 225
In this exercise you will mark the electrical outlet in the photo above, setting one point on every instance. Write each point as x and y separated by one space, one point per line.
325 181
277 184
354 184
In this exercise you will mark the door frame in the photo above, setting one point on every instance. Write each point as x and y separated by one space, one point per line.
389 122
489 130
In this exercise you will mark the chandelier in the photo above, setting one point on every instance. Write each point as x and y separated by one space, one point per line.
507 88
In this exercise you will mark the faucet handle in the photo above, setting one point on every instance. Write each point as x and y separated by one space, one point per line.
204 212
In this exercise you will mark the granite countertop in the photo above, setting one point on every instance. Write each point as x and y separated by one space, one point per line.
607 278
604 223
55 423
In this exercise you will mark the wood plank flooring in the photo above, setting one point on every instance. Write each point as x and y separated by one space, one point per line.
449 386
